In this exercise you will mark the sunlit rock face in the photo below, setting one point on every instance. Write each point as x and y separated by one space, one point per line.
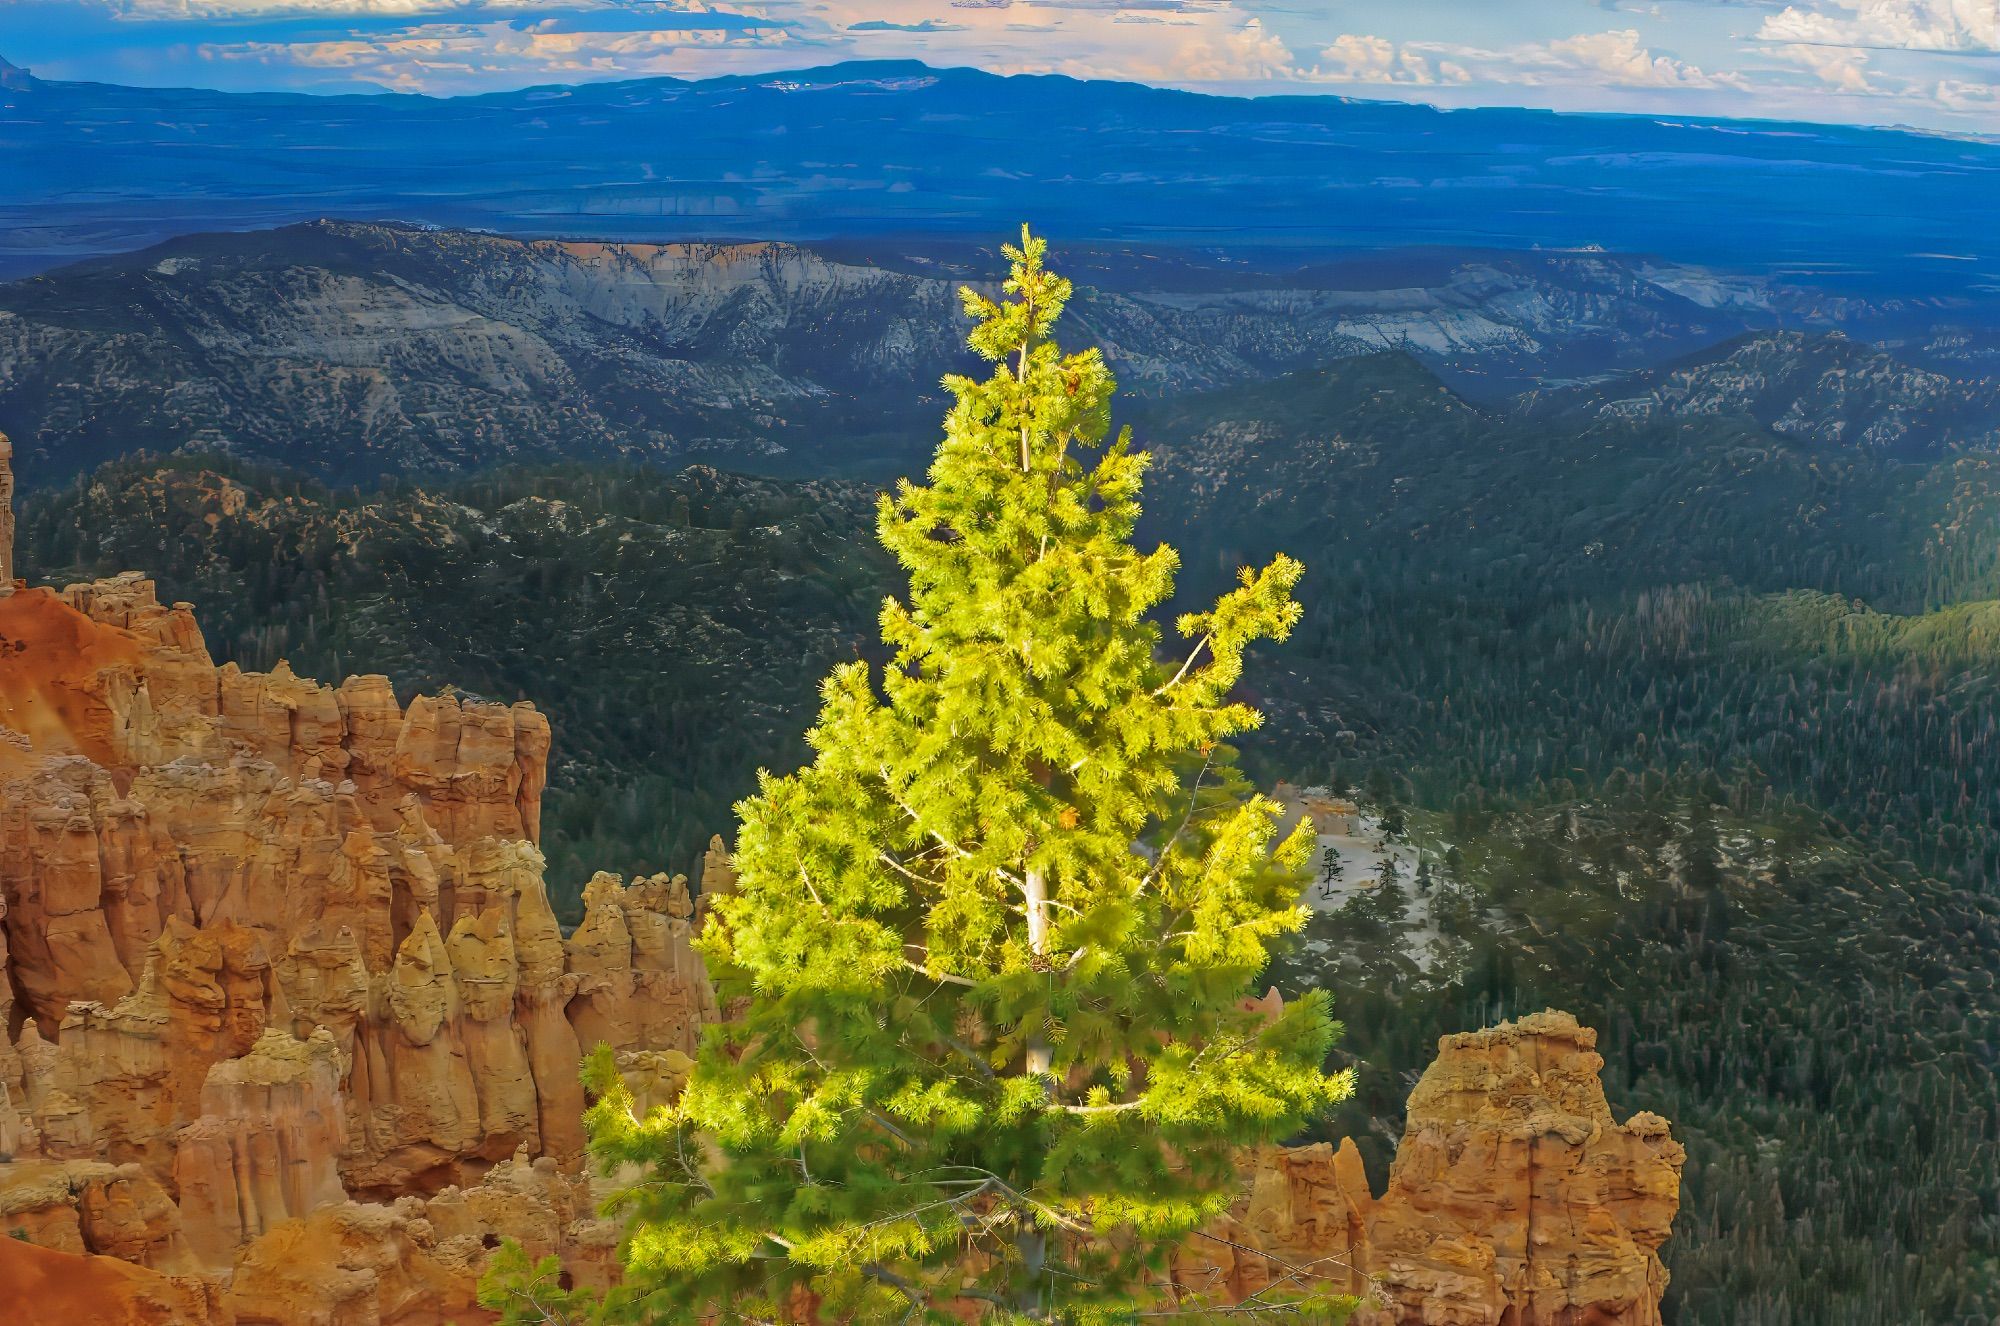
279 952
1515 1199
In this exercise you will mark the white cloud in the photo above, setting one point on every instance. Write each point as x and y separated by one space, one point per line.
1839 67
447 57
1617 58
1968 98
1810 58
1907 25
1624 62
1247 53
410 9
455 45
1154 41
1359 59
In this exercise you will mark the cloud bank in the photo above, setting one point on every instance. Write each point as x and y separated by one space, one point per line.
1926 62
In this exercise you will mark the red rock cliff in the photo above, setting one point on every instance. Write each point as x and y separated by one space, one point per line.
271 946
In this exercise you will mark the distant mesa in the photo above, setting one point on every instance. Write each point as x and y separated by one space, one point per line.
888 149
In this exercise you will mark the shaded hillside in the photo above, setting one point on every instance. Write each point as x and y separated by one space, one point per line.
350 351
1692 723
1816 1018
1503 601
1811 388
1385 472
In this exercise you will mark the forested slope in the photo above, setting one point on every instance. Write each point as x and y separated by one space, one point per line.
1693 723
1695 727
671 625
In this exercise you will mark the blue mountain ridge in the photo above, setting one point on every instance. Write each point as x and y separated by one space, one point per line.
862 150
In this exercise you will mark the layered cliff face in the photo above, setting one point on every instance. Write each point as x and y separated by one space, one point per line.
276 949
1515 1199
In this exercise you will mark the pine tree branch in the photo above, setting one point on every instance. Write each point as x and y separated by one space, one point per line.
906 872
974 1057
1021 1199
982 1296
1193 654
979 1190
1244 1309
882 1274
882 1121
1296 1271
1297 1275
1021 366
1194 800
945 977
942 841
527 1292
1119 1108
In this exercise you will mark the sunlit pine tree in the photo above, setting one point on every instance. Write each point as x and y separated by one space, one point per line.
997 938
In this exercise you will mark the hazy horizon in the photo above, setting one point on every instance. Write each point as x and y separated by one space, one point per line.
1928 65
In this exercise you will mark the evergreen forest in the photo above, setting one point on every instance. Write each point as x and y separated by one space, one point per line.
1691 724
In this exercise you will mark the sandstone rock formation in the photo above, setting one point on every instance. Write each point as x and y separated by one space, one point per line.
1515 1199
6 516
415 1262
88 1290
275 950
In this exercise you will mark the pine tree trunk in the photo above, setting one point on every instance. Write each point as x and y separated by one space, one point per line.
1034 1247
1040 1053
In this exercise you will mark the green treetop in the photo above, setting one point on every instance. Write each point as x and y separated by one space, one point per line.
996 938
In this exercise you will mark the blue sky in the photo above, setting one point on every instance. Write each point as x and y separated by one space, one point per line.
1929 63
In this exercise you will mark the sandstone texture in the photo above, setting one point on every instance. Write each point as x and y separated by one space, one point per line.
1515 1199
78 1289
285 998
